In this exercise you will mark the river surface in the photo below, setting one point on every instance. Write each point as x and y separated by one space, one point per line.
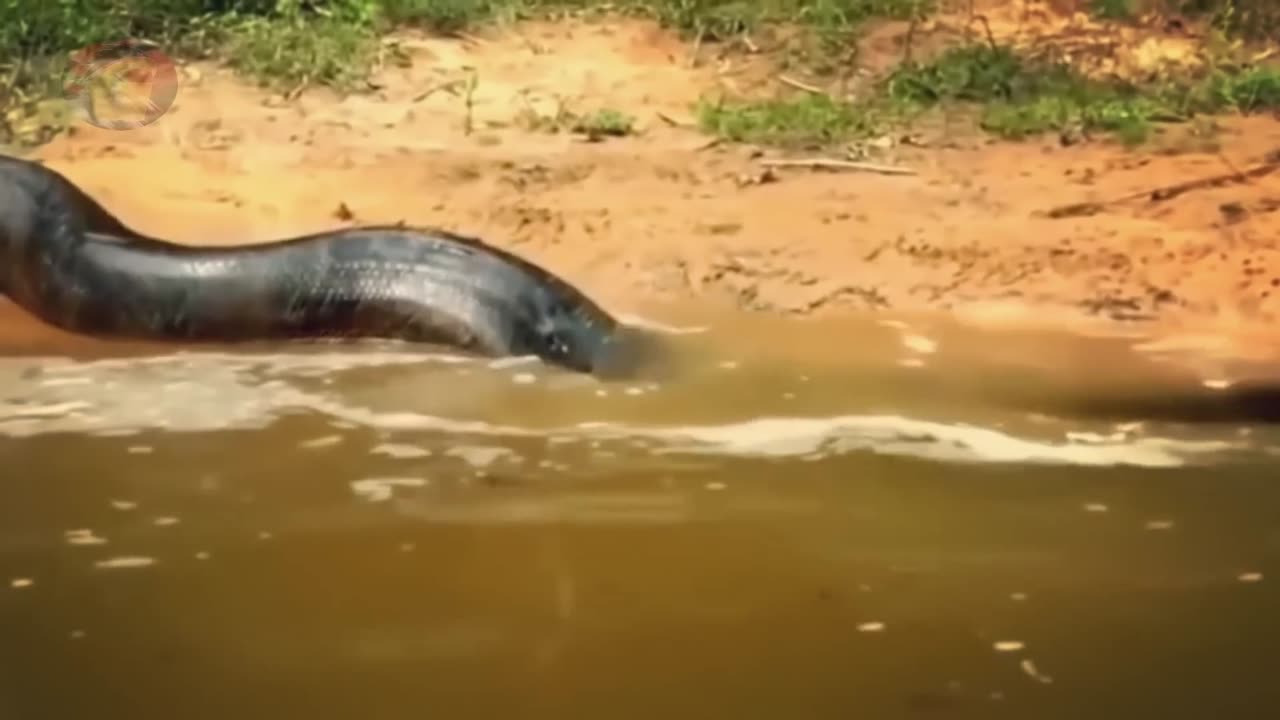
805 521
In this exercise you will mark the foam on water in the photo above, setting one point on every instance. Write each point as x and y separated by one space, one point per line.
202 392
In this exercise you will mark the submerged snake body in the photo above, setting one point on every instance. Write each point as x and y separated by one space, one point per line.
70 262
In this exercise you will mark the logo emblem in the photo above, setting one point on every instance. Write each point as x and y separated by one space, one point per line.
122 85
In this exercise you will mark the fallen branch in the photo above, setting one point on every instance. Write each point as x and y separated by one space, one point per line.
673 122
469 38
1084 209
801 85
1167 192
1172 191
829 164
446 86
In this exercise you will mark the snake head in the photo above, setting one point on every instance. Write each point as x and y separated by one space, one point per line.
586 340
569 336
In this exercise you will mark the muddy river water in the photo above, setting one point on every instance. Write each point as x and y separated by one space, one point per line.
378 532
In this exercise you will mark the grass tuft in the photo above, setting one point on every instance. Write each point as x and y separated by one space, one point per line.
1020 98
806 120
604 123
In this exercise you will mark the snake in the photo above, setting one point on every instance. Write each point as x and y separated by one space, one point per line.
71 263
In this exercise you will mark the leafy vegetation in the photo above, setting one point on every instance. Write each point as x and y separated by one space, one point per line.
288 44
1251 19
603 123
1113 9
809 119
52 27
1015 98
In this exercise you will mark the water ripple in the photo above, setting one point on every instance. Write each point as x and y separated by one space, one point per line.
208 392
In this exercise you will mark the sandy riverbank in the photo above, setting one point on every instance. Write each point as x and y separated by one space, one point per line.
667 216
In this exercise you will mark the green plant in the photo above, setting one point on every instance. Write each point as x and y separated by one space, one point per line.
604 123
290 43
293 50
1112 9
1022 98
1252 19
810 119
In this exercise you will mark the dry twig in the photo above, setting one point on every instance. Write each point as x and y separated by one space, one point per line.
1167 192
447 86
296 91
673 122
799 85
697 48
830 164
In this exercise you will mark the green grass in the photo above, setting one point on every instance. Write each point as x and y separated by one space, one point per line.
295 50
595 126
288 44
604 123
1019 99
1013 97
805 120
1251 19
703 19
1113 9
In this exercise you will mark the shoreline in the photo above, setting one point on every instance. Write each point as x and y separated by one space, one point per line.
669 215
906 245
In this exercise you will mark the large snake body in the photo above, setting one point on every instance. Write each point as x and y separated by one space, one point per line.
69 261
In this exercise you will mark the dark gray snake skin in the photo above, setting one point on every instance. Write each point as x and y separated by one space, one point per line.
67 260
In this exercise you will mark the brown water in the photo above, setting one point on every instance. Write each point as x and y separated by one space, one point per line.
773 532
